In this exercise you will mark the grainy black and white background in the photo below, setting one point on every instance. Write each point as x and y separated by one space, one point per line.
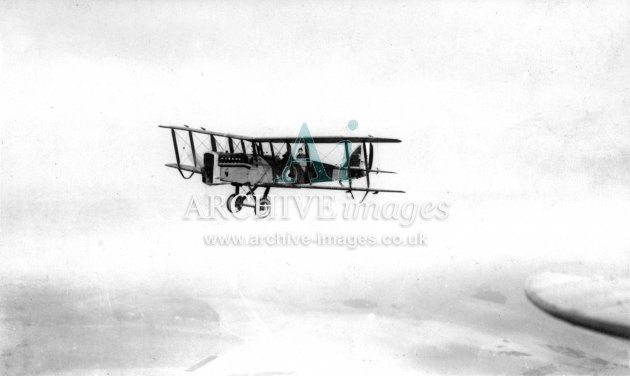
517 114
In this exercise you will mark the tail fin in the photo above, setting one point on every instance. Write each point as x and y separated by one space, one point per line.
355 157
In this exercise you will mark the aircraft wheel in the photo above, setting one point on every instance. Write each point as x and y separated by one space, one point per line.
238 205
264 208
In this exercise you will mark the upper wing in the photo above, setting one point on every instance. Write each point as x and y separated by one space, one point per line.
211 133
317 140
598 303
330 139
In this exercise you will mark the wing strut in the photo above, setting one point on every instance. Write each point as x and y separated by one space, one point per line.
179 168
192 145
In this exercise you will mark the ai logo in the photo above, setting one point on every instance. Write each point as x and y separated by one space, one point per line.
312 156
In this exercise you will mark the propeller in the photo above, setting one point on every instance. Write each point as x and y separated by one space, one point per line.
369 159
368 164
350 188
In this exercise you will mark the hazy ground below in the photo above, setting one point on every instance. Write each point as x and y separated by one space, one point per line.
149 296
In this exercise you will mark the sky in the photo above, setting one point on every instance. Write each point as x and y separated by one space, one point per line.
533 87
492 101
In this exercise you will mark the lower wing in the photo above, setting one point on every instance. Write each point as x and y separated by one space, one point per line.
323 187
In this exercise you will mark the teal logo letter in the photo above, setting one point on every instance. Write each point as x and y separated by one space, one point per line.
304 137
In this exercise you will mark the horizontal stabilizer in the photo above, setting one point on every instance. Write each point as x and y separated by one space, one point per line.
377 171
196 170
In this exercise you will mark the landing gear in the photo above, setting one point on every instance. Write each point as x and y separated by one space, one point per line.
236 202
264 208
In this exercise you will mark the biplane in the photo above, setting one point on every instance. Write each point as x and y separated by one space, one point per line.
272 162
